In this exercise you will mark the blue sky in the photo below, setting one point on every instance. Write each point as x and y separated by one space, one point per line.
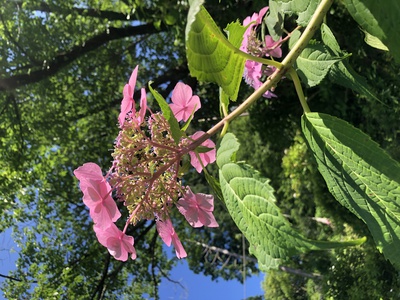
200 287
196 286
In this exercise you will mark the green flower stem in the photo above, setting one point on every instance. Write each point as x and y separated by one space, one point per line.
285 67
299 90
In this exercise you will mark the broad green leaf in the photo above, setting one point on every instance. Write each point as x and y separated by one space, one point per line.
380 19
211 57
314 63
168 114
304 9
360 175
251 202
342 73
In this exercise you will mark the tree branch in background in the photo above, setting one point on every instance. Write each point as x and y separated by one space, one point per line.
12 40
15 279
101 285
63 59
90 12
217 250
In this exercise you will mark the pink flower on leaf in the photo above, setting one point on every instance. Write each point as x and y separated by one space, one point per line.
184 103
168 235
206 157
197 209
118 243
128 104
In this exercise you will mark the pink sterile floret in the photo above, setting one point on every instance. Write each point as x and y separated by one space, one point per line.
97 194
168 235
206 157
184 103
270 43
118 243
128 103
197 209
255 20
102 206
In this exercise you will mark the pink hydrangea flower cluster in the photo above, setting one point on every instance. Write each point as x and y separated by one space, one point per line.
255 72
146 174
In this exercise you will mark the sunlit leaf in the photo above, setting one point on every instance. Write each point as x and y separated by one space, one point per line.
360 175
251 202
211 57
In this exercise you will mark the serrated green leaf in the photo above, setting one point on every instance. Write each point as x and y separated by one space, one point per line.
360 175
314 63
380 19
211 57
250 201
168 114
304 9
235 32
275 20
342 73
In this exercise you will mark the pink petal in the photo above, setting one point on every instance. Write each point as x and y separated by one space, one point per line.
205 202
118 243
89 171
261 14
103 208
269 43
179 250
143 106
132 79
207 219
178 111
207 157
181 94
168 235
127 104
165 231
197 209
183 103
